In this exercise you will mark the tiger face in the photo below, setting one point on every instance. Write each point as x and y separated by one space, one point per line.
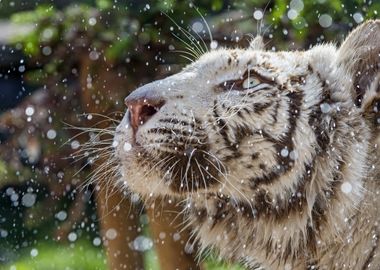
233 121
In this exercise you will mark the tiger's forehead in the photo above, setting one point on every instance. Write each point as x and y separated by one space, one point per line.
232 58
224 61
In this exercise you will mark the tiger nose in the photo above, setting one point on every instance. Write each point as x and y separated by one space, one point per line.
141 109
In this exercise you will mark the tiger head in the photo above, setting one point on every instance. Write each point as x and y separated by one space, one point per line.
248 122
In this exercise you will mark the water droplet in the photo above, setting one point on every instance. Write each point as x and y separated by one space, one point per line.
97 241
28 200
9 191
46 51
29 111
213 44
142 243
297 5
293 155
111 234
135 198
61 215
3 233
325 20
75 144
92 21
51 134
94 55
72 237
197 27
258 14
127 147
176 236
358 17
34 252
47 34
325 107
189 248
14 197
346 187
115 144
284 152
292 14
21 68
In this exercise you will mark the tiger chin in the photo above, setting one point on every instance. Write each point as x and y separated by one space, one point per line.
274 154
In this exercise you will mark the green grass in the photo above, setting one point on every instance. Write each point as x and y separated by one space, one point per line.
212 265
83 256
78 256
151 262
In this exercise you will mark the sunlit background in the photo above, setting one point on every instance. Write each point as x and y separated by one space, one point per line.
65 68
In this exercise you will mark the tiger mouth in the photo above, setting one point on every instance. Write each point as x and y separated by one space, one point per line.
184 171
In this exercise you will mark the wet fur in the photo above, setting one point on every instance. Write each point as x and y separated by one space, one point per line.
280 177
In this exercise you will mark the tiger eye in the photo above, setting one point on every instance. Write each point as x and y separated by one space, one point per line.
250 83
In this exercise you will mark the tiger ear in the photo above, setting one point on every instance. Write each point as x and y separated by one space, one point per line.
359 56
257 44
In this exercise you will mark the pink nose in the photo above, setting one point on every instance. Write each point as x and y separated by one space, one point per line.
141 110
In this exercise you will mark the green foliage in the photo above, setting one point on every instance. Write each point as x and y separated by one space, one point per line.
41 13
3 172
217 5
114 32
103 4
299 19
115 27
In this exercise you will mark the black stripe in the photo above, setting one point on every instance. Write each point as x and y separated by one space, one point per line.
284 164
175 131
277 106
372 254
181 122
232 146
221 124
259 108
321 134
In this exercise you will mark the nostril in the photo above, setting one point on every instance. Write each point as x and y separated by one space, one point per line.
141 112
147 111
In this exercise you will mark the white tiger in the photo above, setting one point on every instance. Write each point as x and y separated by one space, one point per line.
273 153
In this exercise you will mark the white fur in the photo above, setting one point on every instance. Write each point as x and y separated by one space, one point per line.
307 105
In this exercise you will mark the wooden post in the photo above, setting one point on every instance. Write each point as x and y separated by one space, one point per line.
118 221
173 249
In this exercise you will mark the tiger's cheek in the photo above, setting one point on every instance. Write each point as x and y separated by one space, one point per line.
237 133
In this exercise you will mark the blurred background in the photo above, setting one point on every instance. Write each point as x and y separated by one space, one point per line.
65 68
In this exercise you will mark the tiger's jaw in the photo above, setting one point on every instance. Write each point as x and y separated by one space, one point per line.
173 158
137 176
